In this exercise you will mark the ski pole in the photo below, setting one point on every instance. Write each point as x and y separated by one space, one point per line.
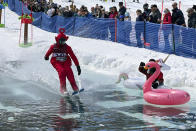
166 58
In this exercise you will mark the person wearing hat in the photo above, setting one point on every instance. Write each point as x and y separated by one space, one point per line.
192 18
62 55
191 40
149 72
146 12
121 11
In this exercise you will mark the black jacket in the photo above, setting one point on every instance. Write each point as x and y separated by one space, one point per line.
192 20
146 14
122 11
154 16
177 17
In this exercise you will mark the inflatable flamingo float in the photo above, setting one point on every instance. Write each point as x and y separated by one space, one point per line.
162 96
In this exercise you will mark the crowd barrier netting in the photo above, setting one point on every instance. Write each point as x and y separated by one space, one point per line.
168 38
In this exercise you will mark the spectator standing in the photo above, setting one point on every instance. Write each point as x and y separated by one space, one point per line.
155 15
177 15
99 13
122 11
178 19
167 29
152 35
167 19
93 12
67 12
139 27
104 14
112 15
51 11
191 18
192 32
146 12
96 9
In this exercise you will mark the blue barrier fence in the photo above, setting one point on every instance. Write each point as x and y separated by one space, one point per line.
167 38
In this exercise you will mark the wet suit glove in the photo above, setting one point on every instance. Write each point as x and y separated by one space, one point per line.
79 70
142 64
155 85
46 58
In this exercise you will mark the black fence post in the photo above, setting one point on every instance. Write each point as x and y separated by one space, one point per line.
144 33
173 36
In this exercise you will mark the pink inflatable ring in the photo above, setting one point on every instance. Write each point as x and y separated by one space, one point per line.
162 96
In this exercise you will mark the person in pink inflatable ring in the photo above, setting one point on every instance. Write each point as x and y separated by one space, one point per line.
62 55
149 72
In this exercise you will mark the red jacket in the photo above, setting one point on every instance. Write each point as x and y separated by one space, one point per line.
159 78
62 51
113 15
167 19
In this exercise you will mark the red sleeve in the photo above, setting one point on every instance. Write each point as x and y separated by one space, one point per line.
169 19
72 55
49 52
160 78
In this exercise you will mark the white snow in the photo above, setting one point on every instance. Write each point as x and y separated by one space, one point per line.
97 55
103 56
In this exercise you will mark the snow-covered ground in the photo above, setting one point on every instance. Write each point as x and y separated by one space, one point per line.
103 56
100 56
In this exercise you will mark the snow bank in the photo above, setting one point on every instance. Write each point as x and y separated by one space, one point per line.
97 55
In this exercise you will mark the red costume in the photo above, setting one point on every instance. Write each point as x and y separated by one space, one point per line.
61 61
159 80
148 75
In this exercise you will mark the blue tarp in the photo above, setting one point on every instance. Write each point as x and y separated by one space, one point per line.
164 38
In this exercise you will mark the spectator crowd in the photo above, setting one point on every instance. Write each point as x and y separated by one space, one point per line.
152 15
53 9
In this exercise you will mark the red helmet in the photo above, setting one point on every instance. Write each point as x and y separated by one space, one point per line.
61 35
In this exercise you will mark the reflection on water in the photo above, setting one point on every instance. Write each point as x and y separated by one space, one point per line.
68 111
157 111
104 107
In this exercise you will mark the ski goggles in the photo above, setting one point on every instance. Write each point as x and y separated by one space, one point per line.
62 41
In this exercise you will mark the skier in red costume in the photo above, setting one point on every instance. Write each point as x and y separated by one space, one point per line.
61 61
